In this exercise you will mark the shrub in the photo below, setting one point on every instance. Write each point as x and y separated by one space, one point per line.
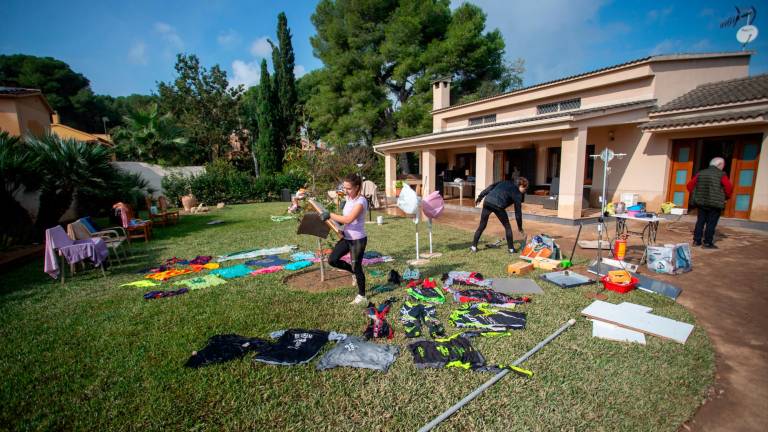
123 186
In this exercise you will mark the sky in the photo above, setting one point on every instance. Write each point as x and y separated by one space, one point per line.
126 47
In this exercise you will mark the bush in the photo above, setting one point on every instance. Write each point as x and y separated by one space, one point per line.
122 186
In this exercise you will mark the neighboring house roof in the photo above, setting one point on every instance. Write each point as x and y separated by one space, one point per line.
720 93
65 131
727 116
633 104
19 92
655 58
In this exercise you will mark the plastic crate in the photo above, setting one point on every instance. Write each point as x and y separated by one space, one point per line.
619 288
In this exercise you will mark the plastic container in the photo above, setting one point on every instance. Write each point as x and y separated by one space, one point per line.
619 288
633 213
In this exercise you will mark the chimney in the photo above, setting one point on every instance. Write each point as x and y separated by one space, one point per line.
441 93
55 118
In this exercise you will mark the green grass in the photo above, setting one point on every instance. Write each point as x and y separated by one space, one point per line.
95 356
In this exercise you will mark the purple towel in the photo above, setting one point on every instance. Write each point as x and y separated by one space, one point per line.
74 251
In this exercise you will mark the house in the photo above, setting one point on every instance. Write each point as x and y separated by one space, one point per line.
24 111
69 132
670 114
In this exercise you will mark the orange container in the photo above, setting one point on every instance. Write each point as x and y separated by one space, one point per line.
620 248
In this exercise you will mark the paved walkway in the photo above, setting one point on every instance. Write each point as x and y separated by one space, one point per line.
727 292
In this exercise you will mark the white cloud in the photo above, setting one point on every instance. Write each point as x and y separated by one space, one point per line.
247 74
169 34
228 38
660 15
261 47
299 70
137 54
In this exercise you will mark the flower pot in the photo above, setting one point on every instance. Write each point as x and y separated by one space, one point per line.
189 202
397 191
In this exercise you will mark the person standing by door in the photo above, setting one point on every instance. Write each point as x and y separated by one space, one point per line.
710 188
498 197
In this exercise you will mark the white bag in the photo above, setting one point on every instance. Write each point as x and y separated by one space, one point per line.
408 201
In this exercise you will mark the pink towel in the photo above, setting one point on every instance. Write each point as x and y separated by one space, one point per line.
266 270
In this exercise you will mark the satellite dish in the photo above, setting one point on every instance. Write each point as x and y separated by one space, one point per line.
746 34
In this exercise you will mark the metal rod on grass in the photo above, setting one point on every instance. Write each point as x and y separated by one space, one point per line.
447 413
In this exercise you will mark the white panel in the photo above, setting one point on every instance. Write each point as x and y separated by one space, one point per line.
640 321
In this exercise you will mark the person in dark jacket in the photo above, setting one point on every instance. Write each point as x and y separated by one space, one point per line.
498 197
709 189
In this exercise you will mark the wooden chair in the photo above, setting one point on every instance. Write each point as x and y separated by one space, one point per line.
168 215
135 228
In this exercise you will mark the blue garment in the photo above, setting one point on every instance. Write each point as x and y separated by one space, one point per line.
298 265
268 261
302 256
237 271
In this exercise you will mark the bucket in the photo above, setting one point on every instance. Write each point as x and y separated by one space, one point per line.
380 220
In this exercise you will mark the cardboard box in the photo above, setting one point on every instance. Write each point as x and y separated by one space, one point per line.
519 268
545 263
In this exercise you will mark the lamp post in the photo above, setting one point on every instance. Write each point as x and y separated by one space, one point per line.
104 121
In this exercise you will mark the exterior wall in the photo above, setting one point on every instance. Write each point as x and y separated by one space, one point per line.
9 120
154 173
34 117
674 78
759 211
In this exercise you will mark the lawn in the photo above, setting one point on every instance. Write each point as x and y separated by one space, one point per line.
95 356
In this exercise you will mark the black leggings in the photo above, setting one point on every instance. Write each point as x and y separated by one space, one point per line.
503 218
356 249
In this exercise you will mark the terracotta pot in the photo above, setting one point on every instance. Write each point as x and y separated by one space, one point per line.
397 191
189 202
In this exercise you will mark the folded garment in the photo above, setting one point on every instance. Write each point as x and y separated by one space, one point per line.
255 253
160 294
237 271
266 270
298 265
222 348
268 261
302 256
200 282
141 284
165 275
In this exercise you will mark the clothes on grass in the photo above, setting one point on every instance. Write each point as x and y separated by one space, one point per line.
161 294
414 315
426 291
372 254
295 346
237 271
382 288
298 265
452 351
356 248
174 261
355 352
282 218
223 348
165 275
201 267
201 282
56 241
411 274
487 296
141 284
302 256
487 318
378 326
255 253
268 261
157 269
355 230
266 270
465 278
201 260
394 277
370 261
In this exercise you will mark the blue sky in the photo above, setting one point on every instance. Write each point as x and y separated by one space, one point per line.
128 46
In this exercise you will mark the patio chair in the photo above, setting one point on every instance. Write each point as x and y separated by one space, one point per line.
77 230
168 215
60 249
135 228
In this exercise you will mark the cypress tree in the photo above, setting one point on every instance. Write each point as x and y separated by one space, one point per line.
284 61
269 153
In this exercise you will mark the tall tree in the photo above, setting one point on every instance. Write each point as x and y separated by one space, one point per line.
149 136
269 152
204 106
284 62
380 57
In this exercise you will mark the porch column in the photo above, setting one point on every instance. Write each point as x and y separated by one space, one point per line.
390 173
428 171
572 153
759 210
483 167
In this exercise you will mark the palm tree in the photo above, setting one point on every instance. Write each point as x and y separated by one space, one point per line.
149 136
62 167
16 169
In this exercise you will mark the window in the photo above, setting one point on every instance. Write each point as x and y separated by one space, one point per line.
477 121
553 163
565 105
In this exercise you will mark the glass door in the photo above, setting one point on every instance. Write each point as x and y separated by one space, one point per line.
743 176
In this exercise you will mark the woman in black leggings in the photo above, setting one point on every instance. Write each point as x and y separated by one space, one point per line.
498 197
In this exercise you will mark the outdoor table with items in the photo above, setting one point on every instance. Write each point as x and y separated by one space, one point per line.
647 235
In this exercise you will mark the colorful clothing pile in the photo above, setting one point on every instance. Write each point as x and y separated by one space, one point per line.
237 271
370 261
465 278
141 284
161 294
378 326
302 256
266 270
201 267
487 296
488 319
255 253
414 315
202 282
165 275
298 265
201 259
268 261
426 291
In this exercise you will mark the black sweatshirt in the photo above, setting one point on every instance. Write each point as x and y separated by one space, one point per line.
501 195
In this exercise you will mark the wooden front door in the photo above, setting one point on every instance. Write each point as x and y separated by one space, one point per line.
743 175
682 171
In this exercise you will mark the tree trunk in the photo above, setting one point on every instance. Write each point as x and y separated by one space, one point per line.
255 164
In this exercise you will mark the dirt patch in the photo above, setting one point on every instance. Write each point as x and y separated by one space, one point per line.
309 280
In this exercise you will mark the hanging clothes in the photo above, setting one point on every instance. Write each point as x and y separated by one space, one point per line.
355 352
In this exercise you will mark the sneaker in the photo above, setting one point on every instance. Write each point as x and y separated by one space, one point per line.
710 246
697 243
358 300
473 249
512 251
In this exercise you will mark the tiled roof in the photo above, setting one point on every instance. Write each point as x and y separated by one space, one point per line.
662 57
528 119
17 91
720 93
704 119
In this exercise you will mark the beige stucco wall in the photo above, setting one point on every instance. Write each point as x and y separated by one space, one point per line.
674 78
9 120
34 117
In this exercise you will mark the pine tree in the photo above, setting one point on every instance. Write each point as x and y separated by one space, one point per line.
269 152
283 60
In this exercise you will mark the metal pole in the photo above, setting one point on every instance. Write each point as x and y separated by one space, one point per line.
322 258
447 413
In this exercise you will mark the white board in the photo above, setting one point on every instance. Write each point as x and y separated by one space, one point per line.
634 307
640 321
604 330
